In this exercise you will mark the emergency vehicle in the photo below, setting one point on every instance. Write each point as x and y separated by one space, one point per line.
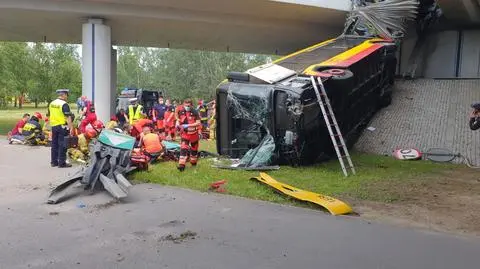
146 98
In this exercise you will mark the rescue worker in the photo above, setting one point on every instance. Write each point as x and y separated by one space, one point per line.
151 144
112 124
17 130
188 121
89 116
158 115
81 152
122 118
169 121
212 123
203 112
475 117
137 129
61 123
135 111
32 131
47 130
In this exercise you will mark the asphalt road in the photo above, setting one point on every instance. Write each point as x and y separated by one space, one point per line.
229 232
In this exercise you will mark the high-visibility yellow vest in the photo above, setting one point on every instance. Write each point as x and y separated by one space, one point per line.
56 114
134 115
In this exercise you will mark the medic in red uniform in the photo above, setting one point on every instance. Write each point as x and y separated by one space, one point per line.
89 116
188 121
169 120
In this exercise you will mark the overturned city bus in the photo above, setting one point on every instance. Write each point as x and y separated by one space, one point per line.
275 104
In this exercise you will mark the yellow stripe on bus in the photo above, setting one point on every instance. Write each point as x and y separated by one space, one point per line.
304 50
340 57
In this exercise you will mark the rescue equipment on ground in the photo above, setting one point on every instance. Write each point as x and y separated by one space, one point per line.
218 186
334 206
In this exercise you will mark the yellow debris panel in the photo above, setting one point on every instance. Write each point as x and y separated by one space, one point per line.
334 206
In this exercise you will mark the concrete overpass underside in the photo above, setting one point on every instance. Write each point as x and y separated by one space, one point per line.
256 26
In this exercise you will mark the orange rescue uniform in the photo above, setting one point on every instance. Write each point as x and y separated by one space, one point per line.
189 136
151 143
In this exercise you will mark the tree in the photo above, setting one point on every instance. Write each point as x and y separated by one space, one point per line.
56 66
17 69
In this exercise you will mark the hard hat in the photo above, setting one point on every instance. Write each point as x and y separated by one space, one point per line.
37 115
98 125
132 100
90 133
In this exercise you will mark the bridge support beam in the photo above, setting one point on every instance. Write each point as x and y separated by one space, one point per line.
97 66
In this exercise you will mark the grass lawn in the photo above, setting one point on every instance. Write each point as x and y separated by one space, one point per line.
324 178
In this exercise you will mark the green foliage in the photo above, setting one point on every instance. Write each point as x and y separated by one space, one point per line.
57 66
37 70
180 73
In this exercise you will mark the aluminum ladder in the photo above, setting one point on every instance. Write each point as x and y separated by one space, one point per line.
331 121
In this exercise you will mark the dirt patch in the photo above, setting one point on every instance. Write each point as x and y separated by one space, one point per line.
177 239
447 201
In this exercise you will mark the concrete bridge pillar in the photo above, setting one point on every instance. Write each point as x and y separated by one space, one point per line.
97 59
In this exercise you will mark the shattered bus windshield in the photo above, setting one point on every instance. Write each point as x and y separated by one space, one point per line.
249 109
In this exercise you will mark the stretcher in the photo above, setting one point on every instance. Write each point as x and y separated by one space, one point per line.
334 206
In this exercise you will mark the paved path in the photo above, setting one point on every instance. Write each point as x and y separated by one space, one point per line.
231 232
426 114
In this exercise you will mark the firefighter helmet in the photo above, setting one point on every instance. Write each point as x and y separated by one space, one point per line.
98 125
90 133
37 115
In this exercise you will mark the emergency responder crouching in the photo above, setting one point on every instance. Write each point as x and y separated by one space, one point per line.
61 123
135 111
151 144
188 121
81 152
32 131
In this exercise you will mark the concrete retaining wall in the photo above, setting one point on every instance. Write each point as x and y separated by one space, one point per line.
426 114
